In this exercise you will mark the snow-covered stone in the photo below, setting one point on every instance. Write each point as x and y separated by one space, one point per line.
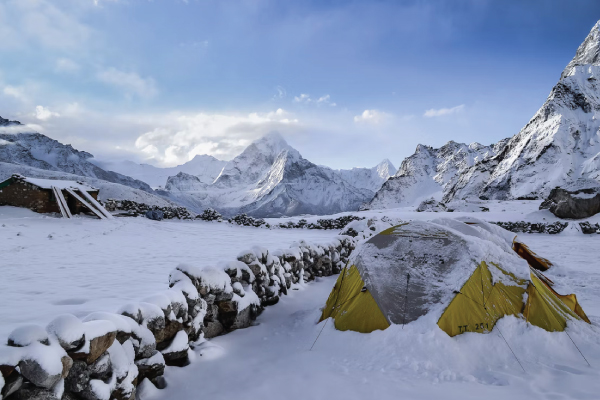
68 330
28 334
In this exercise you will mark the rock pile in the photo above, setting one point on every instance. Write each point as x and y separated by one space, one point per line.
108 355
245 220
330 223
533 227
210 214
431 205
135 209
589 228
575 205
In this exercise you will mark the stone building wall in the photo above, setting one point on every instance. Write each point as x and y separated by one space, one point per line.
27 195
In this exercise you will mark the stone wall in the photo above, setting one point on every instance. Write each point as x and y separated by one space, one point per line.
109 355
533 227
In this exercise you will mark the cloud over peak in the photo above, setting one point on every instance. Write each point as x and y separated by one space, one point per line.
371 117
431 113
307 99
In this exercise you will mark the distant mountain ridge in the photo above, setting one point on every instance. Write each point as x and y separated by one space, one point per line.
428 173
21 145
270 178
205 167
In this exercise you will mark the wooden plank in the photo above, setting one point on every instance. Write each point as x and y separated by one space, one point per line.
62 203
85 203
96 204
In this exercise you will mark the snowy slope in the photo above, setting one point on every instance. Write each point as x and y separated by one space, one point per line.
560 146
428 172
369 178
205 167
269 178
21 146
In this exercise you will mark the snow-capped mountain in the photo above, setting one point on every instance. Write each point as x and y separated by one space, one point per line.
428 173
19 145
206 168
560 146
369 178
253 162
268 179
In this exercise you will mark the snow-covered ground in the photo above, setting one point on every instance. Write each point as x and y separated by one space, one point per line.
52 266
273 360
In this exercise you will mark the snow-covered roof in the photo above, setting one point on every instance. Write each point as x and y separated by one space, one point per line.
60 184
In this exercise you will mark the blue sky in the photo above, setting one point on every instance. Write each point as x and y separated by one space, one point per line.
347 83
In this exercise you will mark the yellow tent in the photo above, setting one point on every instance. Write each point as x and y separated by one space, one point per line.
470 271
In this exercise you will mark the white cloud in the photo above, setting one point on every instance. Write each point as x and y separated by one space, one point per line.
371 117
306 99
16 92
325 100
303 98
179 137
43 113
443 111
66 65
130 82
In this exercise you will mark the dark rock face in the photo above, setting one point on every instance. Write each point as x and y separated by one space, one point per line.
574 205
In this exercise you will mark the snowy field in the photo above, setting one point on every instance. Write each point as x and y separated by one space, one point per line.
273 360
51 266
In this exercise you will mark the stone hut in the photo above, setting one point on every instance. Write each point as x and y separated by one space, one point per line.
51 196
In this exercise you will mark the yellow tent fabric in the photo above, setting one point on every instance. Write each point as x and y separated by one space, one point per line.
351 307
480 303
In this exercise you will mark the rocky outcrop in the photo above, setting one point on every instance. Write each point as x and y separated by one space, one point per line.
573 204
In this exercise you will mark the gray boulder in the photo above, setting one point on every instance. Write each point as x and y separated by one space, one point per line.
155 215
577 204
35 373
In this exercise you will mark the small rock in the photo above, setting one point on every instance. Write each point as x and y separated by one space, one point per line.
213 329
